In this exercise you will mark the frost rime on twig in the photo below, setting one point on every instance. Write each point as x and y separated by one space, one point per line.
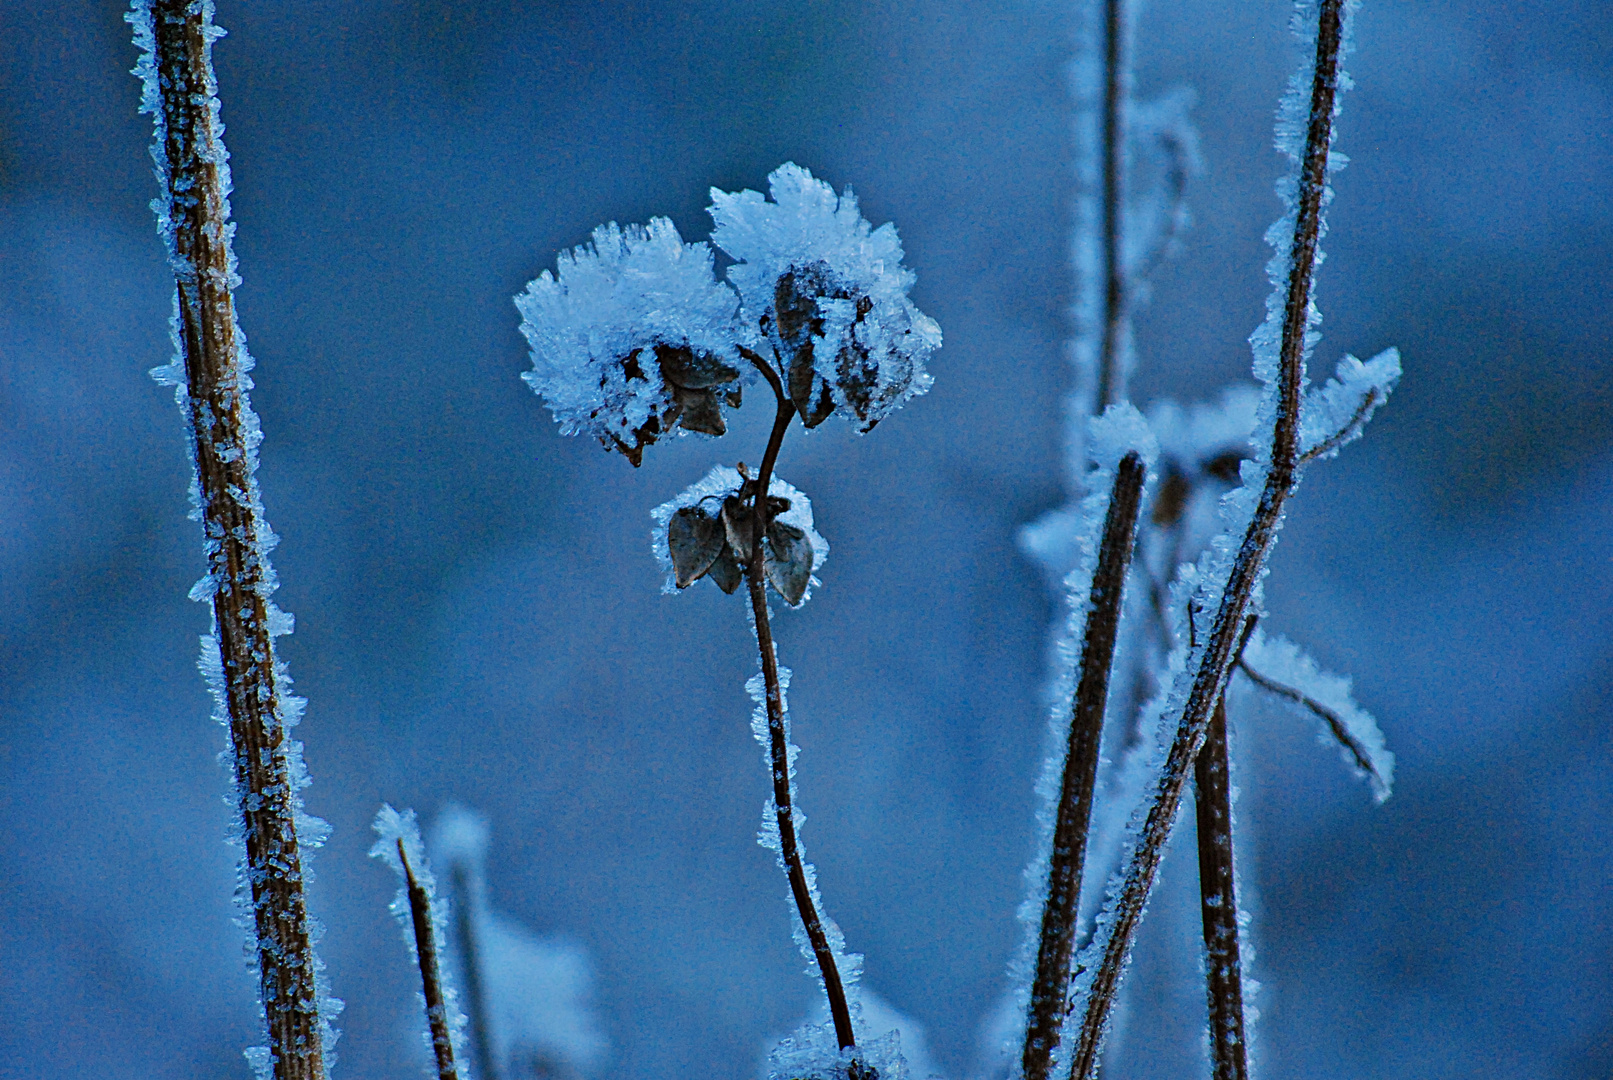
1289 328
209 374
420 914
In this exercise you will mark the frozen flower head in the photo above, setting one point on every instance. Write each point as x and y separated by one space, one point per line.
633 337
829 293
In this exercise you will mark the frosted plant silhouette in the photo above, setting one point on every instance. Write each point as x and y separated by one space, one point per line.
634 338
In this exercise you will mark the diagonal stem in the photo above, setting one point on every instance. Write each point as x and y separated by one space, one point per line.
194 213
425 947
1215 660
1050 990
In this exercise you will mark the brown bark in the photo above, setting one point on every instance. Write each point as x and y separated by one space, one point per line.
222 432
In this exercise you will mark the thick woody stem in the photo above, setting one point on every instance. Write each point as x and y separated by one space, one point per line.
236 533
425 947
1223 966
1215 661
1050 991
777 740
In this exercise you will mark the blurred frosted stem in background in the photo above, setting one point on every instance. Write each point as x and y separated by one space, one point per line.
1114 360
209 374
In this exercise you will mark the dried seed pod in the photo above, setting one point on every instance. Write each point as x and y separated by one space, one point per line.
725 571
694 539
736 519
788 561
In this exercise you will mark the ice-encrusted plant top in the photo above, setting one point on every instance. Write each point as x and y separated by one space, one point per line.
829 292
632 337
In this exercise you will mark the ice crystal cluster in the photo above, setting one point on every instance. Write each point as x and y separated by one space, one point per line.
634 336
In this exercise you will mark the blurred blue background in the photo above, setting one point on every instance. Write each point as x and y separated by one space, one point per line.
478 615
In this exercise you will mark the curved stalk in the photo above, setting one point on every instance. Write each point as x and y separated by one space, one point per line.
1215 662
778 742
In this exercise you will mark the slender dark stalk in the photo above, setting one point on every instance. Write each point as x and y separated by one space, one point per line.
1218 903
425 948
1215 661
470 966
1050 991
778 743
1111 380
190 162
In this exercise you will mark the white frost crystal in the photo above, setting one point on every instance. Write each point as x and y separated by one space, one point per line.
633 336
830 293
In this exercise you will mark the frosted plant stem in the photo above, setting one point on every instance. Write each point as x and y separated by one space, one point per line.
470 966
1216 660
425 947
222 428
1111 380
1218 903
1050 991
778 744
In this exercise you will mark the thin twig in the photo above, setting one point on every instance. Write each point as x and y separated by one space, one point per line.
470 965
1049 1002
1335 722
1111 380
1343 434
1223 966
425 947
778 743
1176 196
1216 659
222 430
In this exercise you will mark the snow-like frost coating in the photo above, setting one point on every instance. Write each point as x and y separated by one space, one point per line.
594 325
1284 662
1334 414
830 292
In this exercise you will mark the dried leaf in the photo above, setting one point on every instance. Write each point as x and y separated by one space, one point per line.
736 519
681 366
725 571
788 561
695 539
698 410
